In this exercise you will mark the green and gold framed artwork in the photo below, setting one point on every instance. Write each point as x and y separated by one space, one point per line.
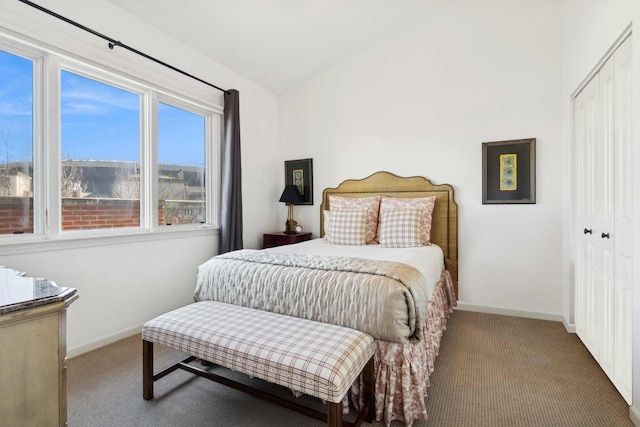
509 171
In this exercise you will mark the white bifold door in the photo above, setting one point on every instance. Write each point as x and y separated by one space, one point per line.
603 217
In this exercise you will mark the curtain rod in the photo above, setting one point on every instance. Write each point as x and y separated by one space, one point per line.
114 42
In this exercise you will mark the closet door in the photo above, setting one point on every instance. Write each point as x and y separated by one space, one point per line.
604 213
603 235
623 231
588 289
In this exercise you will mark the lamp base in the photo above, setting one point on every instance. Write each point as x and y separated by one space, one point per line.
290 227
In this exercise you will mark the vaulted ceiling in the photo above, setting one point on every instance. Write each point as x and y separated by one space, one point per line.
279 43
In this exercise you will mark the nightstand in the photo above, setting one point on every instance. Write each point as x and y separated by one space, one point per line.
279 238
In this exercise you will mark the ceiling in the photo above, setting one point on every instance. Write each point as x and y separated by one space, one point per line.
278 43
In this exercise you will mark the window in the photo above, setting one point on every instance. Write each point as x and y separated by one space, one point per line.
181 166
100 146
87 152
16 144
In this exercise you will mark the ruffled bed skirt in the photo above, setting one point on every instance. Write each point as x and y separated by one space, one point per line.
402 370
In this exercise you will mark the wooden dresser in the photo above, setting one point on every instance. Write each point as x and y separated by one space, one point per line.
33 377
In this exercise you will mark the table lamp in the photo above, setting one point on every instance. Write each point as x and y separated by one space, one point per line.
290 196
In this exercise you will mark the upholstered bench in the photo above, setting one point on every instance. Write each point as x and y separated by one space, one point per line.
314 358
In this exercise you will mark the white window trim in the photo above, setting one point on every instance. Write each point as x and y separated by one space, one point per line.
211 147
31 244
143 142
47 235
38 154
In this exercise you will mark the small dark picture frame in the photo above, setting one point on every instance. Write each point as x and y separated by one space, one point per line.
300 174
509 172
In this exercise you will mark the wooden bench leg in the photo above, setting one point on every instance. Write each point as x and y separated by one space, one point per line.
147 370
334 414
368 390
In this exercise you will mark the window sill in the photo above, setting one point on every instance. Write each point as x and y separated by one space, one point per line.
35 244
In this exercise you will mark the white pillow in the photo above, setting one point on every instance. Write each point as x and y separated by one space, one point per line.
327 218
348 227
401 228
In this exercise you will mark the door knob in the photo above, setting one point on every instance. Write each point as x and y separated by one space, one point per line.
605 235
588 231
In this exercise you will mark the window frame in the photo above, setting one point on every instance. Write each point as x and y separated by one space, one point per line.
48 64
37 146
211 146
143 142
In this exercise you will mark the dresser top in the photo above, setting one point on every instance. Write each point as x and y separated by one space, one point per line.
18 292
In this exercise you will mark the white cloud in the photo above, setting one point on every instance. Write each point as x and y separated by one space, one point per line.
15 109
84 96
84 108
103 99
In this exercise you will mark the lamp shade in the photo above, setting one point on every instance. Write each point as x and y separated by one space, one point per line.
291 195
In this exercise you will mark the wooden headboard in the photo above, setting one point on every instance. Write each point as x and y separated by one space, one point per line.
444 228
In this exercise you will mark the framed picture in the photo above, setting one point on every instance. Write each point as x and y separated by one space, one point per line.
509 171
300 174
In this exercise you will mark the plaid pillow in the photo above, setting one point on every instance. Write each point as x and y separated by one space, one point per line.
371 203
348 227
401 228
425 203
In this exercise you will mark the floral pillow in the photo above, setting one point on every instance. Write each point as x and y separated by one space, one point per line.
426 204
372 204
401 228
348 227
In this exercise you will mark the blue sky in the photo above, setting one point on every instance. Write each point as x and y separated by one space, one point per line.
99 121
16 107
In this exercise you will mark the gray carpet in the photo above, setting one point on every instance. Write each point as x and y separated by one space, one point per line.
492 371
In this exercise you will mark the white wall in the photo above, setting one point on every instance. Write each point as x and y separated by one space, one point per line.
123 285
421 103
120 286
589 29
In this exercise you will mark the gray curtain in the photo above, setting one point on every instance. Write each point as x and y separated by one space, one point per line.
231 182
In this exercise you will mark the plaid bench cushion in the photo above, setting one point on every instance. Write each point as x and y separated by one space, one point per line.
315 358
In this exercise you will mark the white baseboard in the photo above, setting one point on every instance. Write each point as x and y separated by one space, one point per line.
570 327
101 342
634 415
464 306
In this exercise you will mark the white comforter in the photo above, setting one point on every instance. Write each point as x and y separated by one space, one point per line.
429 260
383 292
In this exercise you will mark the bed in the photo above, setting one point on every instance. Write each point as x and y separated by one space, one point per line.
400 296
